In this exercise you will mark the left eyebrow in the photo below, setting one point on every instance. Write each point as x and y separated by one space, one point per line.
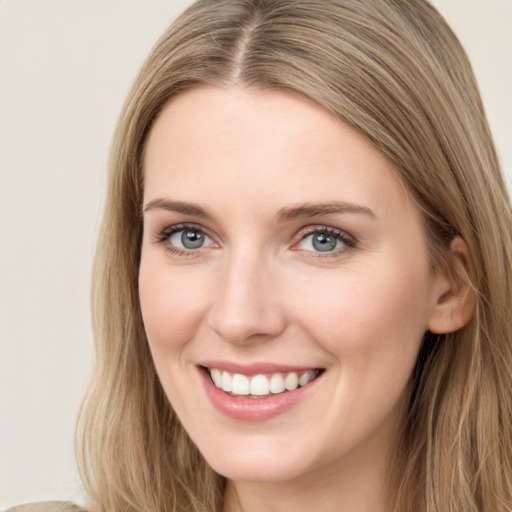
308 210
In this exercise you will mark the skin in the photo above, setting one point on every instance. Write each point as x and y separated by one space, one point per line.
258 291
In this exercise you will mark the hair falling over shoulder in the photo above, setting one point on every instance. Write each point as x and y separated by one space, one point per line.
394 71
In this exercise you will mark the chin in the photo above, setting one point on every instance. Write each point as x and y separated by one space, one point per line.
260 461
271 470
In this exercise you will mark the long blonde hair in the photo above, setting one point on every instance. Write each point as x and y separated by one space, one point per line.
394 71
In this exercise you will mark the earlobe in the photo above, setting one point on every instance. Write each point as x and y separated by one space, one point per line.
455 293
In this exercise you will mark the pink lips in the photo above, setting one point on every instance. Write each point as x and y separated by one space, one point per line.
252 409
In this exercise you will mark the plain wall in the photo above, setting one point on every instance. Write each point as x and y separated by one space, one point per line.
65 68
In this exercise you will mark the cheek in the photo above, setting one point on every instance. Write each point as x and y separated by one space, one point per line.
372 327
171 305
371 316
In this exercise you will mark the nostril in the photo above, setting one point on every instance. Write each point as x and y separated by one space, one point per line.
247 327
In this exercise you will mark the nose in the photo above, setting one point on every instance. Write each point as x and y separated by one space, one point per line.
246 309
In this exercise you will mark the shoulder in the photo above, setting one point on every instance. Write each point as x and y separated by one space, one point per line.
48 506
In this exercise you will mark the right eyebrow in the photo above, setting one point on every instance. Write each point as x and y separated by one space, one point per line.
177 206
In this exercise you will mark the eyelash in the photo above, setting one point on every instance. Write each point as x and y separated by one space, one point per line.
348 241
167 232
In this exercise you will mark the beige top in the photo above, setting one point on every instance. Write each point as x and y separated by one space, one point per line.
48 506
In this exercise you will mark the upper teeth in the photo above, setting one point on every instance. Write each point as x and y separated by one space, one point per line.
260 385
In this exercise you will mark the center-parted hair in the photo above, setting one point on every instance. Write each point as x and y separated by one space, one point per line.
394 71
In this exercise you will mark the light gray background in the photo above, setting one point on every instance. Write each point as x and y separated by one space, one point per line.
66 66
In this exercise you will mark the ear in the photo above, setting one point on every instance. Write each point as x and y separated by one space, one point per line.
455 294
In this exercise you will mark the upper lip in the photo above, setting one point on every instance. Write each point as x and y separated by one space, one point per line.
256 367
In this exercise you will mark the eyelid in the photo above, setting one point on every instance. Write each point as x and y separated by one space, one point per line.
349 241
166 233
346 238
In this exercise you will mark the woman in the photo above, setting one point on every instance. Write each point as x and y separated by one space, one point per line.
302 284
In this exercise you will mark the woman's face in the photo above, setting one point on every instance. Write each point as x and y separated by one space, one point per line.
280 250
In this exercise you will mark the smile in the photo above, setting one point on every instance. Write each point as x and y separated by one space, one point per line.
261 385
259 391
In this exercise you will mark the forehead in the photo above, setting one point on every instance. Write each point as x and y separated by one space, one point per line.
218 142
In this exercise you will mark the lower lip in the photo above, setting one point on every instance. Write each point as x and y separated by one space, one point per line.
253 409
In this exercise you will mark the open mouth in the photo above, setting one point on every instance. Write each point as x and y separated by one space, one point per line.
261 385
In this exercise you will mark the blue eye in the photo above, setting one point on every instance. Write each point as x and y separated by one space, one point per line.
190 239
327 240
